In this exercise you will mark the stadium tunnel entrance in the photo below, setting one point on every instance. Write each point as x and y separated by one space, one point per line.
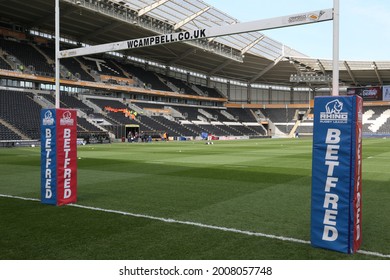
131 130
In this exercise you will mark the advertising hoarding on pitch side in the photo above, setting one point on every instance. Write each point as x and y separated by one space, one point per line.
336 174
58 156
367 93
386 93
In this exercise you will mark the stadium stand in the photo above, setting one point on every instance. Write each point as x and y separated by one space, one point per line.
20 110
117 118
68 100
252 130
176 128
242 115
305 128
376 120
148 78
157 123
283 118
190 113
84 125
4 65
72 66
8 134
210 92
217 114
102 103
181 85
72 101
28 55
279 115
197 130
75 68
154 124
101 66
48 50
145 105
189 120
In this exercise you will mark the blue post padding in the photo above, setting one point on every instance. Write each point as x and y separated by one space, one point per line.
48 157
333 173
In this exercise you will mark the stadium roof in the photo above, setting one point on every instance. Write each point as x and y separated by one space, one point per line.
250 58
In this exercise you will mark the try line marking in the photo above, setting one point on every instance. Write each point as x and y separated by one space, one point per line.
168 220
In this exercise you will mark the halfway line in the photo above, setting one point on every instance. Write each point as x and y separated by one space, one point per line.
168 220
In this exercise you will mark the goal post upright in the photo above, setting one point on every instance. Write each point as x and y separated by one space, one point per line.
57 54
336 43
58 142
336 192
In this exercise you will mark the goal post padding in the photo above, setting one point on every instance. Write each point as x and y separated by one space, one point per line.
58 156
336 212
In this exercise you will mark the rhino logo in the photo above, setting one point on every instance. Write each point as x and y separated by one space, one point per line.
334 107
48 115
67 115
48 118
333 112
66 118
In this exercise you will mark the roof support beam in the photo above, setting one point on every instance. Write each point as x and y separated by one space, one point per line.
319 63
155 5
101 30
182 56
50 17
190 18
377 72
251 45
295 64
266 69
350 72
221 66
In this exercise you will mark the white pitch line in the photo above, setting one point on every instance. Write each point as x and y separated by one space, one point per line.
169 220
19 197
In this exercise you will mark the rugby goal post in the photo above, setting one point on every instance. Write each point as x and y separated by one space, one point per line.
343 236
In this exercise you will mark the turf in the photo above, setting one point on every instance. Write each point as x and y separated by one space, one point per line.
256 185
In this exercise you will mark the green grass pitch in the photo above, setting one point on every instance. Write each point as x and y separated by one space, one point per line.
260 186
